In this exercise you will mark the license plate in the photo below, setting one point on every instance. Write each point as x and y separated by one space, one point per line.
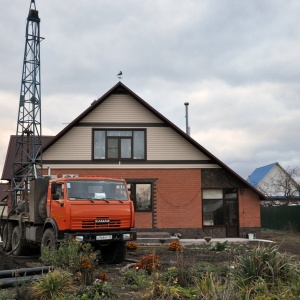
103 237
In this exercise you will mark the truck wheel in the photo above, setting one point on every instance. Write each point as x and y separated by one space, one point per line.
7 236
114 253
42 207
48 239
18 244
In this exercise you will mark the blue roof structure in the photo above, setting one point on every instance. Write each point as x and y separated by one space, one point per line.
259 173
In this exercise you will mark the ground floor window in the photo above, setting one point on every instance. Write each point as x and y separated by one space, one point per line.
219 207
141 195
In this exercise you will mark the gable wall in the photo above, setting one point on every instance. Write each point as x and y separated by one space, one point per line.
163 143
121 109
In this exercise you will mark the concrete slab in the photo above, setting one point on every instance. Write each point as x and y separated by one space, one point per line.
215 240
154 241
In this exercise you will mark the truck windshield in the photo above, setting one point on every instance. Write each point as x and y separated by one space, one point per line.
96 190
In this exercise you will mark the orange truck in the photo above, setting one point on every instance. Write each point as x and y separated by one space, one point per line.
95 210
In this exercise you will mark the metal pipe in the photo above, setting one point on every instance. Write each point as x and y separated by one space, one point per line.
187 130
8 282
25 271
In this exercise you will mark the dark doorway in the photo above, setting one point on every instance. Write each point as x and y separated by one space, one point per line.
231 217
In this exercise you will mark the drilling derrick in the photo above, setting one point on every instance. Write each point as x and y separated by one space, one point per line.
27 163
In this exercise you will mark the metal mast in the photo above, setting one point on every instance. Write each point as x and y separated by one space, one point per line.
28 135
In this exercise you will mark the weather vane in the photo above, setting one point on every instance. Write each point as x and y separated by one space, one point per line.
120 75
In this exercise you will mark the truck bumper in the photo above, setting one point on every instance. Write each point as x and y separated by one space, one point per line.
101 237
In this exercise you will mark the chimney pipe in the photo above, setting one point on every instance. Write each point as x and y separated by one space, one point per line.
187 129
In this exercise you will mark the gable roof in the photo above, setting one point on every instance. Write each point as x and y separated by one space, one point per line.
120 88
10 155
259 173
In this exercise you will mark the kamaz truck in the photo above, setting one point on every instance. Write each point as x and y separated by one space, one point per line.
95 210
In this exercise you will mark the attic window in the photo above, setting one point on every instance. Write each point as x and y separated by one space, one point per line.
119 145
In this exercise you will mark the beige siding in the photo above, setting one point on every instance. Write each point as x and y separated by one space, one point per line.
162 144
74 145
165 144
121 109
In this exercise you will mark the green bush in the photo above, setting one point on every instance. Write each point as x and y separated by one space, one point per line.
6 295
73 256
265 263
162 290
136 280
53 285
219 246
99 290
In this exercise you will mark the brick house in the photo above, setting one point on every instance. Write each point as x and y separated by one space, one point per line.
176 185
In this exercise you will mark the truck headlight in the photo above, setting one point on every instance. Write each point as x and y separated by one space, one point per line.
126 236
79 238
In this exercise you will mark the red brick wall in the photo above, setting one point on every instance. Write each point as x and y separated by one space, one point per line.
177 198
249 209
143 219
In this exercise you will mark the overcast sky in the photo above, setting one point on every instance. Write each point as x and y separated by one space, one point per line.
236 62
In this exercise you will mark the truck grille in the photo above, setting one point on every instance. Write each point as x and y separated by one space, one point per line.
101 222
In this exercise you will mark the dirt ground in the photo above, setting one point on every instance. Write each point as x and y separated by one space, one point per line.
286 242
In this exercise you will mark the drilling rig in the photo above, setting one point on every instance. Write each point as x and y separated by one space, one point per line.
28 148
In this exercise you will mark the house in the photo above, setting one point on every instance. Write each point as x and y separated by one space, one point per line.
276 183
176 185
8 165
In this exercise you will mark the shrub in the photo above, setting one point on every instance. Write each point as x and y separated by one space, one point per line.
219 246
170 276
86 269
73 256
203 268
149 263
135 280
99 290
266 265
53 285
160 289
131 246
6 295
175 246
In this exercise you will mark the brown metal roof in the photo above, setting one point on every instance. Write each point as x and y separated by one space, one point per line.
8 164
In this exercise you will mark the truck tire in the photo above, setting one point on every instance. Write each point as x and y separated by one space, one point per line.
7 236
42 207
114 253
48 239
18 244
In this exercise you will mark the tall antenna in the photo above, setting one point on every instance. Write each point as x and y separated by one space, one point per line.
28 134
